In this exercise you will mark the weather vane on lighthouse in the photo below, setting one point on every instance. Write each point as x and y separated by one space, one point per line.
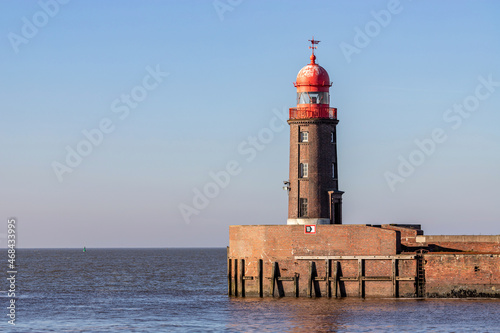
313 42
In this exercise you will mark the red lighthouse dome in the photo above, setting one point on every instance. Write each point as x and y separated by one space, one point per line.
313 77
313 91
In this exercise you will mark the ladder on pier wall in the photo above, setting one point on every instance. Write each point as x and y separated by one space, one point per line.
420 283
332 279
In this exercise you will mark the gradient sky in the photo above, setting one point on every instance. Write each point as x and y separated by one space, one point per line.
231 65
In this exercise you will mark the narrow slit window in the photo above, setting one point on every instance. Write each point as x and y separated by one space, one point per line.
303 207
303 172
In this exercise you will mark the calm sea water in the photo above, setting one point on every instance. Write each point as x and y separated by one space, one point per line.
183 290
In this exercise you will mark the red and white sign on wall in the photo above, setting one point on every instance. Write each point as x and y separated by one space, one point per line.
309 229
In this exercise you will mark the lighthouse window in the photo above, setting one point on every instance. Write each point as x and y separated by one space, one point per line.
313 97
303 207
304 136
304 172
334 171
332 138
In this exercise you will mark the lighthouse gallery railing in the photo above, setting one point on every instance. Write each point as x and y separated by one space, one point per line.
313 112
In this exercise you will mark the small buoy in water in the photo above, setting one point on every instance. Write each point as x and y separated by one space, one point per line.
84 249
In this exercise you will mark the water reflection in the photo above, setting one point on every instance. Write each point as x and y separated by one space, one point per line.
362 315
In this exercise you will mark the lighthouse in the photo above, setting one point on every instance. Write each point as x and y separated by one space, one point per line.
313 194
316 255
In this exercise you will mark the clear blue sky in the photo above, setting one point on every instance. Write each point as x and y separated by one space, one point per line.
230 66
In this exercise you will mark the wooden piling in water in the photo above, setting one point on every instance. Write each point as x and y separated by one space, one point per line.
229 277
328 284
360 277
235 277
242 279
335 277
310 279
273 277
394 278
296 284
260 275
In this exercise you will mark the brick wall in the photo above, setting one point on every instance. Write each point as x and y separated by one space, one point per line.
462 275
273 242
464 243
281 243
408 233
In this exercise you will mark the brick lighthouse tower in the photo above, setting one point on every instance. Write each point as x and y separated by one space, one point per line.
313 196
